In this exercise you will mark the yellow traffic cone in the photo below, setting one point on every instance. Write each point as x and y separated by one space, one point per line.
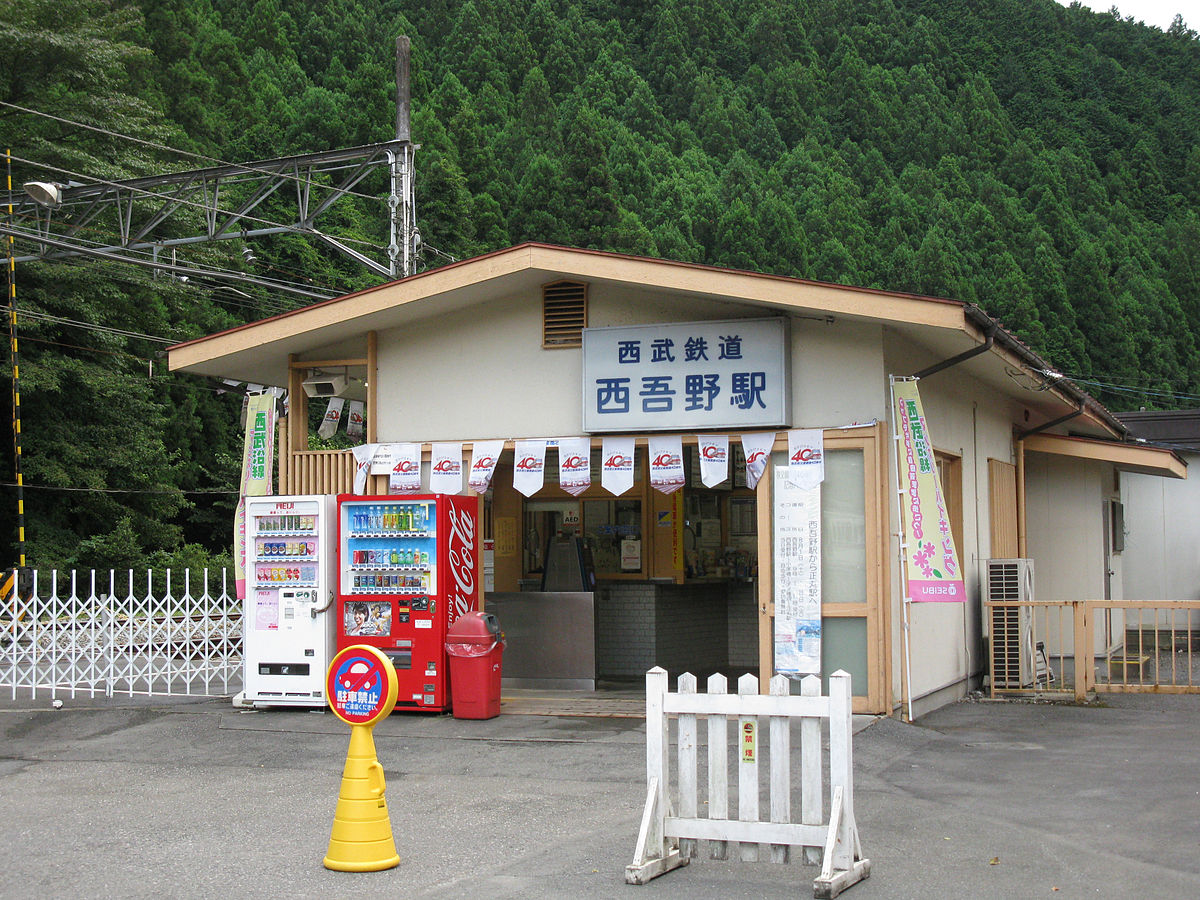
361 840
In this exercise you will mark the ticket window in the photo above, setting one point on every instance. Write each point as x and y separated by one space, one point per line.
612 530
545 519
720 538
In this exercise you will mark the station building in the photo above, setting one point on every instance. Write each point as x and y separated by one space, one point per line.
496 348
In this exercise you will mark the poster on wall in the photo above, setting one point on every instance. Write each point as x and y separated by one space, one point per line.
797 575
931 564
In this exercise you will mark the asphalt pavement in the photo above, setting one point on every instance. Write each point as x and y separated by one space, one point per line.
137 798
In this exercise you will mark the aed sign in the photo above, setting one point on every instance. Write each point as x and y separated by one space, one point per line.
731 374
361 685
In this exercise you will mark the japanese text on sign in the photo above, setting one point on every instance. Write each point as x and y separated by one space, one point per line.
696 374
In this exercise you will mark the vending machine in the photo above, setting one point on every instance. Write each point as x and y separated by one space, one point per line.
408 567
287 624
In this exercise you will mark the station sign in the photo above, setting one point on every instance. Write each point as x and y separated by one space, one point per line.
731 374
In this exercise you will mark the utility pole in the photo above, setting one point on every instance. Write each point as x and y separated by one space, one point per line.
405 239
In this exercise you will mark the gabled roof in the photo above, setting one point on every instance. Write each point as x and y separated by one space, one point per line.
259 352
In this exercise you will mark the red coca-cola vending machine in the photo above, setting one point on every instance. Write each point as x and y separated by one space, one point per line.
408 567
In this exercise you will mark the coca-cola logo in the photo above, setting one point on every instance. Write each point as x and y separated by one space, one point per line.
405 467
618 461
447 465
574 463
530 464
806 454
461 555
483 463
665 460
713 452
756 457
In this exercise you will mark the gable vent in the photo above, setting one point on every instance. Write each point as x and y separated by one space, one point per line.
564 314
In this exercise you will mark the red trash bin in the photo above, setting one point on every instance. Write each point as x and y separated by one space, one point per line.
475 645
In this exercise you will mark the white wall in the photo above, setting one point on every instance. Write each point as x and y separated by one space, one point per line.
482 373
970 420
1162 535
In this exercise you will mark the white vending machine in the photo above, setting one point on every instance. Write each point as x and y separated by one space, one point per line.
287 623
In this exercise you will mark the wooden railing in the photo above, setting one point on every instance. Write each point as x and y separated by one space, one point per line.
317 472
1075 647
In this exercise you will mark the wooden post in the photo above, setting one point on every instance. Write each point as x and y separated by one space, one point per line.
841 764
748 767
1082 651
687 762
812 806
766 585
656 751
718 767
781 767
298 408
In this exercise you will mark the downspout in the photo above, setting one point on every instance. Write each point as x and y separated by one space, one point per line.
990 330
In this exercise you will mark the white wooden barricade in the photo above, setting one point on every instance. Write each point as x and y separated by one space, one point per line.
667 840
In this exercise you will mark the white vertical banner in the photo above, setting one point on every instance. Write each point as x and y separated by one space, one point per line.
354 424
757 448
445 468
575 465
405 477
666 462
616 468
484 456
333 417
363 454
806 456
714 458
529 466
796 565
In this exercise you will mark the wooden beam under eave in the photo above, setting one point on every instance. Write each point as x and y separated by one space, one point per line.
297 409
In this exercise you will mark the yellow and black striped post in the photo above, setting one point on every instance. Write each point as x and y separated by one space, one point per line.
16 373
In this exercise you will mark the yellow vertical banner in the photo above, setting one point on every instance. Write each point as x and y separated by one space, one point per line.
931 564
258 452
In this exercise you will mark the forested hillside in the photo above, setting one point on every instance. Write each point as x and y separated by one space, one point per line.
1043 162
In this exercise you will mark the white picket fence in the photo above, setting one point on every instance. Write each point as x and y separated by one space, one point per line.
668 839
75 636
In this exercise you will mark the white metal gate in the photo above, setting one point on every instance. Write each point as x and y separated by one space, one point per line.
80 636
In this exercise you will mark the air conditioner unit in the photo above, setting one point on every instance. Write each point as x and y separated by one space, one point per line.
1014 664
325 385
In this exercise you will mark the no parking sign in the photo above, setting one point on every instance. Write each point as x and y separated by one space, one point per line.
361 685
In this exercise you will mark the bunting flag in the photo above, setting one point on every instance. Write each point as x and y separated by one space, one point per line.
484 456
806 457
333 417
405 477
931 561
529 466
757 448
445 468
616 469
354 425
258 451
575 465
714 458
666 463
363 454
